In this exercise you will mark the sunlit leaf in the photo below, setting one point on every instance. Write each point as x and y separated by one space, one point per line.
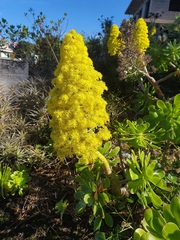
171 231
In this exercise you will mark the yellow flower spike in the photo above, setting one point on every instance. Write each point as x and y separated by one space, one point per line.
140 35
75 103
115 43
153 31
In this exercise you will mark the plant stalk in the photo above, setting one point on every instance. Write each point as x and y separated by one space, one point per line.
114 181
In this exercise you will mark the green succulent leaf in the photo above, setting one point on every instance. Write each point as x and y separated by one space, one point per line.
107 146
114 162
175 208
81 180
134 185
150 168
155 226
165 119
95 208
104 197
177 101
86 189
133 175
156 200
133 167
138 233
171 231
113 152
149 236
168 215
155 220
160 173
161 105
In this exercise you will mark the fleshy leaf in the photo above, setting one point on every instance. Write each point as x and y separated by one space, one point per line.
175 208
156 200
168 214
155 220
171 231
138 233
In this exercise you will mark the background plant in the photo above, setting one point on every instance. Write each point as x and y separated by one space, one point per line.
24 123
161 225
5 174
13 181
138 134
143 179
165 115
133 65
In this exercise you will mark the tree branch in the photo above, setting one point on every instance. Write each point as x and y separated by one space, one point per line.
152 81
166 77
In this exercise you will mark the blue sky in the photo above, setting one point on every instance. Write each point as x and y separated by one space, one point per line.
82 15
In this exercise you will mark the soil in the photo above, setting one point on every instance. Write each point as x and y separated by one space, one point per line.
33 215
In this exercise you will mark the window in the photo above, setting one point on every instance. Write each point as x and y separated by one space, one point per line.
146 12
174 5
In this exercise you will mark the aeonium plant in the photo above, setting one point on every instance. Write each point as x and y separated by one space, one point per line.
166 116
144 178
79 118
77 108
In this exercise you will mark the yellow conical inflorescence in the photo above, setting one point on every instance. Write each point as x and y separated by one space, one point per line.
140 35
75 103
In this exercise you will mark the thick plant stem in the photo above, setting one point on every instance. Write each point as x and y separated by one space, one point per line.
105 163
114 181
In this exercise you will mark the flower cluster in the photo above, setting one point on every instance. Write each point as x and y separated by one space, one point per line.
153 31
76 105
140 35
113 41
